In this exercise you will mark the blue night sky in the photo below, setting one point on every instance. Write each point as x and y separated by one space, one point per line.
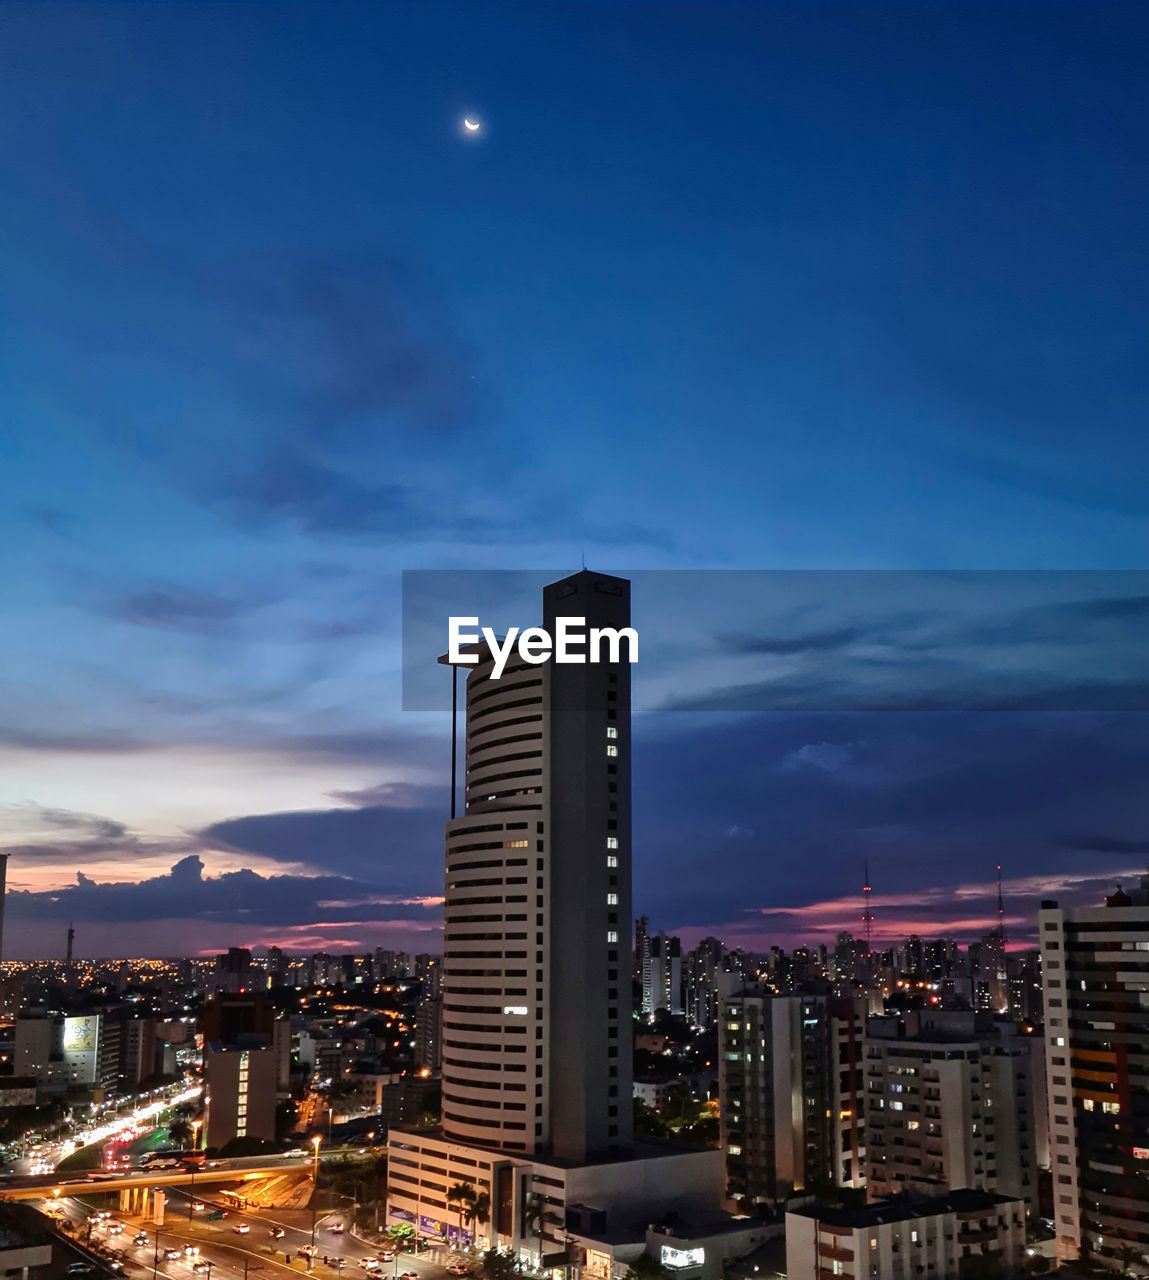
754 286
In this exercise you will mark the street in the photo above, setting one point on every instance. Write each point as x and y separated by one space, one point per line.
253 1255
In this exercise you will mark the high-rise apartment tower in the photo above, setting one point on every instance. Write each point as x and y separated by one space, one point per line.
537 958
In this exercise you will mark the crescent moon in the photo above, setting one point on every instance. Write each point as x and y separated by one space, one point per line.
471 126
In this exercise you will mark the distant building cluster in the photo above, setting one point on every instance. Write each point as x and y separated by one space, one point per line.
573 1087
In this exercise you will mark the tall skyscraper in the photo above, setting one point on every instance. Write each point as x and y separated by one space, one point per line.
1095 965
537 1077
641 949
662 979
536 942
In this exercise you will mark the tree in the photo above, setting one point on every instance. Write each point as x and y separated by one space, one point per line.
644 1267
480 1210
647 1123
499 1264
462 1196
400 1233
180 1131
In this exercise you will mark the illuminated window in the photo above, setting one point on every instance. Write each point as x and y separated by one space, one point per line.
913 1124
611 731
612 935
612 842
734 1150
515 844
611 749
611 860
612 899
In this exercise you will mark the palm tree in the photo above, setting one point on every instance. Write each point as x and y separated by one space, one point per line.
179 1132
462 1195
479 1210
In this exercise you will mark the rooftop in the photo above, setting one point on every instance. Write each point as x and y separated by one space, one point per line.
901 1208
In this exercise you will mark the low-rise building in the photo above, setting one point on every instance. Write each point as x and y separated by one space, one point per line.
944 1237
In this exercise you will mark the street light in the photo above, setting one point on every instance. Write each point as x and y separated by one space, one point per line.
314 1195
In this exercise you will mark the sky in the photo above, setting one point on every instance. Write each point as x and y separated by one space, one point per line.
757 287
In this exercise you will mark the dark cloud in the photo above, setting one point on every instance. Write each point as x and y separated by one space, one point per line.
931 799
176 609
325 498
69 820
243 897
838 638
400 845
356 344
1107 844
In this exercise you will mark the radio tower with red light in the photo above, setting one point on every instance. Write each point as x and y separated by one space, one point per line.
1000 915
867 909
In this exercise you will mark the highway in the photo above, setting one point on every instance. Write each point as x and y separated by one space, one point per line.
253 1254
38 1186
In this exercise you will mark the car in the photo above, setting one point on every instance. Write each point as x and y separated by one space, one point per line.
337 1227
115 1228
458 1269
241 1228
172 1254
386 1255
190 1250
338 1263
309 1250
80 1268
294 1154
369 1264
141 1237
198 1206
408 1275
201 1266
276 1233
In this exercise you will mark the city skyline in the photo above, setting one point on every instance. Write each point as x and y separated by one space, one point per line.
756 287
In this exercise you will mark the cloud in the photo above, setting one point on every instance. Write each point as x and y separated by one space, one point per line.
402 844
1107 844
176 609
812 641
21 817
964 910
354 343
323 498
829 757
93 838
96 742
243 898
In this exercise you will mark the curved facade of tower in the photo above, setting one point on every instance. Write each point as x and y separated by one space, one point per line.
494 968
537 945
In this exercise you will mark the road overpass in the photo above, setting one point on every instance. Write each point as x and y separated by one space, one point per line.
40 1187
